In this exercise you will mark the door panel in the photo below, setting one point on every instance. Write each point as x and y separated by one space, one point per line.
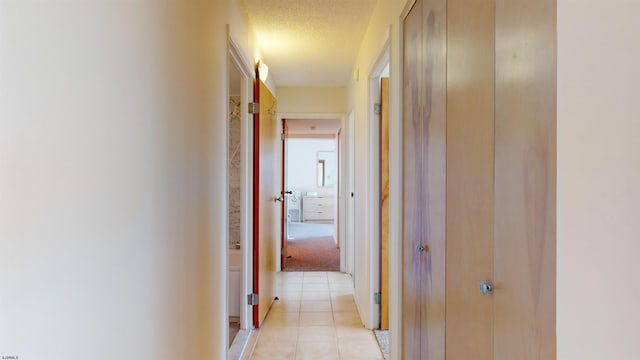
470 126
266 210
384 203
525 173
479 146
412 208
433 174
424 164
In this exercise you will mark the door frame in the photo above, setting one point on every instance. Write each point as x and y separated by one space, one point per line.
311 116
284 211
348 231
372 210
237 58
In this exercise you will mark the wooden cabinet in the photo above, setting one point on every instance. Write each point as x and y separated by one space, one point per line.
317 208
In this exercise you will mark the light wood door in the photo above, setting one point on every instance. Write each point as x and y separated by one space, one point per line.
424 164
433 196
384 203
412 208
266 210
525 180
495 72
470 126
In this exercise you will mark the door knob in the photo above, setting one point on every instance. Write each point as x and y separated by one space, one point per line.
423 248
486 287
279 198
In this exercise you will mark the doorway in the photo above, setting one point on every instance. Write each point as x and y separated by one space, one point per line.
239 195
311 188
375 198
234 200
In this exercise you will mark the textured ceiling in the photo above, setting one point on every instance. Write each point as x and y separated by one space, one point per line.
309 42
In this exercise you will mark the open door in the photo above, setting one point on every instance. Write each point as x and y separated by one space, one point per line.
266 201
384 203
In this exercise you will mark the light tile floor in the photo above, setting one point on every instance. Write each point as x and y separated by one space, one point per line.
315 318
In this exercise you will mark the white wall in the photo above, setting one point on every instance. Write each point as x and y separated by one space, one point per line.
112 155
598 180
385 24
100 218
302 158
312 100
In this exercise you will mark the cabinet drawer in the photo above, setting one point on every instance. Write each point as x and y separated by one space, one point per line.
317 215
318 206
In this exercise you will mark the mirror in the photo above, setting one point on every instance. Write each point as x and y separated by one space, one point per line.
326 166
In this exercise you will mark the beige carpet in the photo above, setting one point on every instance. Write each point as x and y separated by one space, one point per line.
313 254
307 230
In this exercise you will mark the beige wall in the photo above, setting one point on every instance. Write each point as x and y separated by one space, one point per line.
384 25
303 100
598 180
112 153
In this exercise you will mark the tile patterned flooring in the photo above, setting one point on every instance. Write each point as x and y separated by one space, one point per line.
315 318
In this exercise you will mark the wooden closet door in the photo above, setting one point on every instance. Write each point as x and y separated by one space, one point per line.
470 127
433 135
424 164
412 207
525 180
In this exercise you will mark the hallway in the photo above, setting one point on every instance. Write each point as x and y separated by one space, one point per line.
115 177
315 318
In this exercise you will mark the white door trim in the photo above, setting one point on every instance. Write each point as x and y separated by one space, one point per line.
236 56
312 116
372 209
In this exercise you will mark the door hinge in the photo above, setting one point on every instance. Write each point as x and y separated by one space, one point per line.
282 136
252 299
377 108
282 251
377 298
254 108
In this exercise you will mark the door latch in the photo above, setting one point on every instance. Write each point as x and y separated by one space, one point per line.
486 287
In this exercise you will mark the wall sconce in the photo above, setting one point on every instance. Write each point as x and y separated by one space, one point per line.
263 71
